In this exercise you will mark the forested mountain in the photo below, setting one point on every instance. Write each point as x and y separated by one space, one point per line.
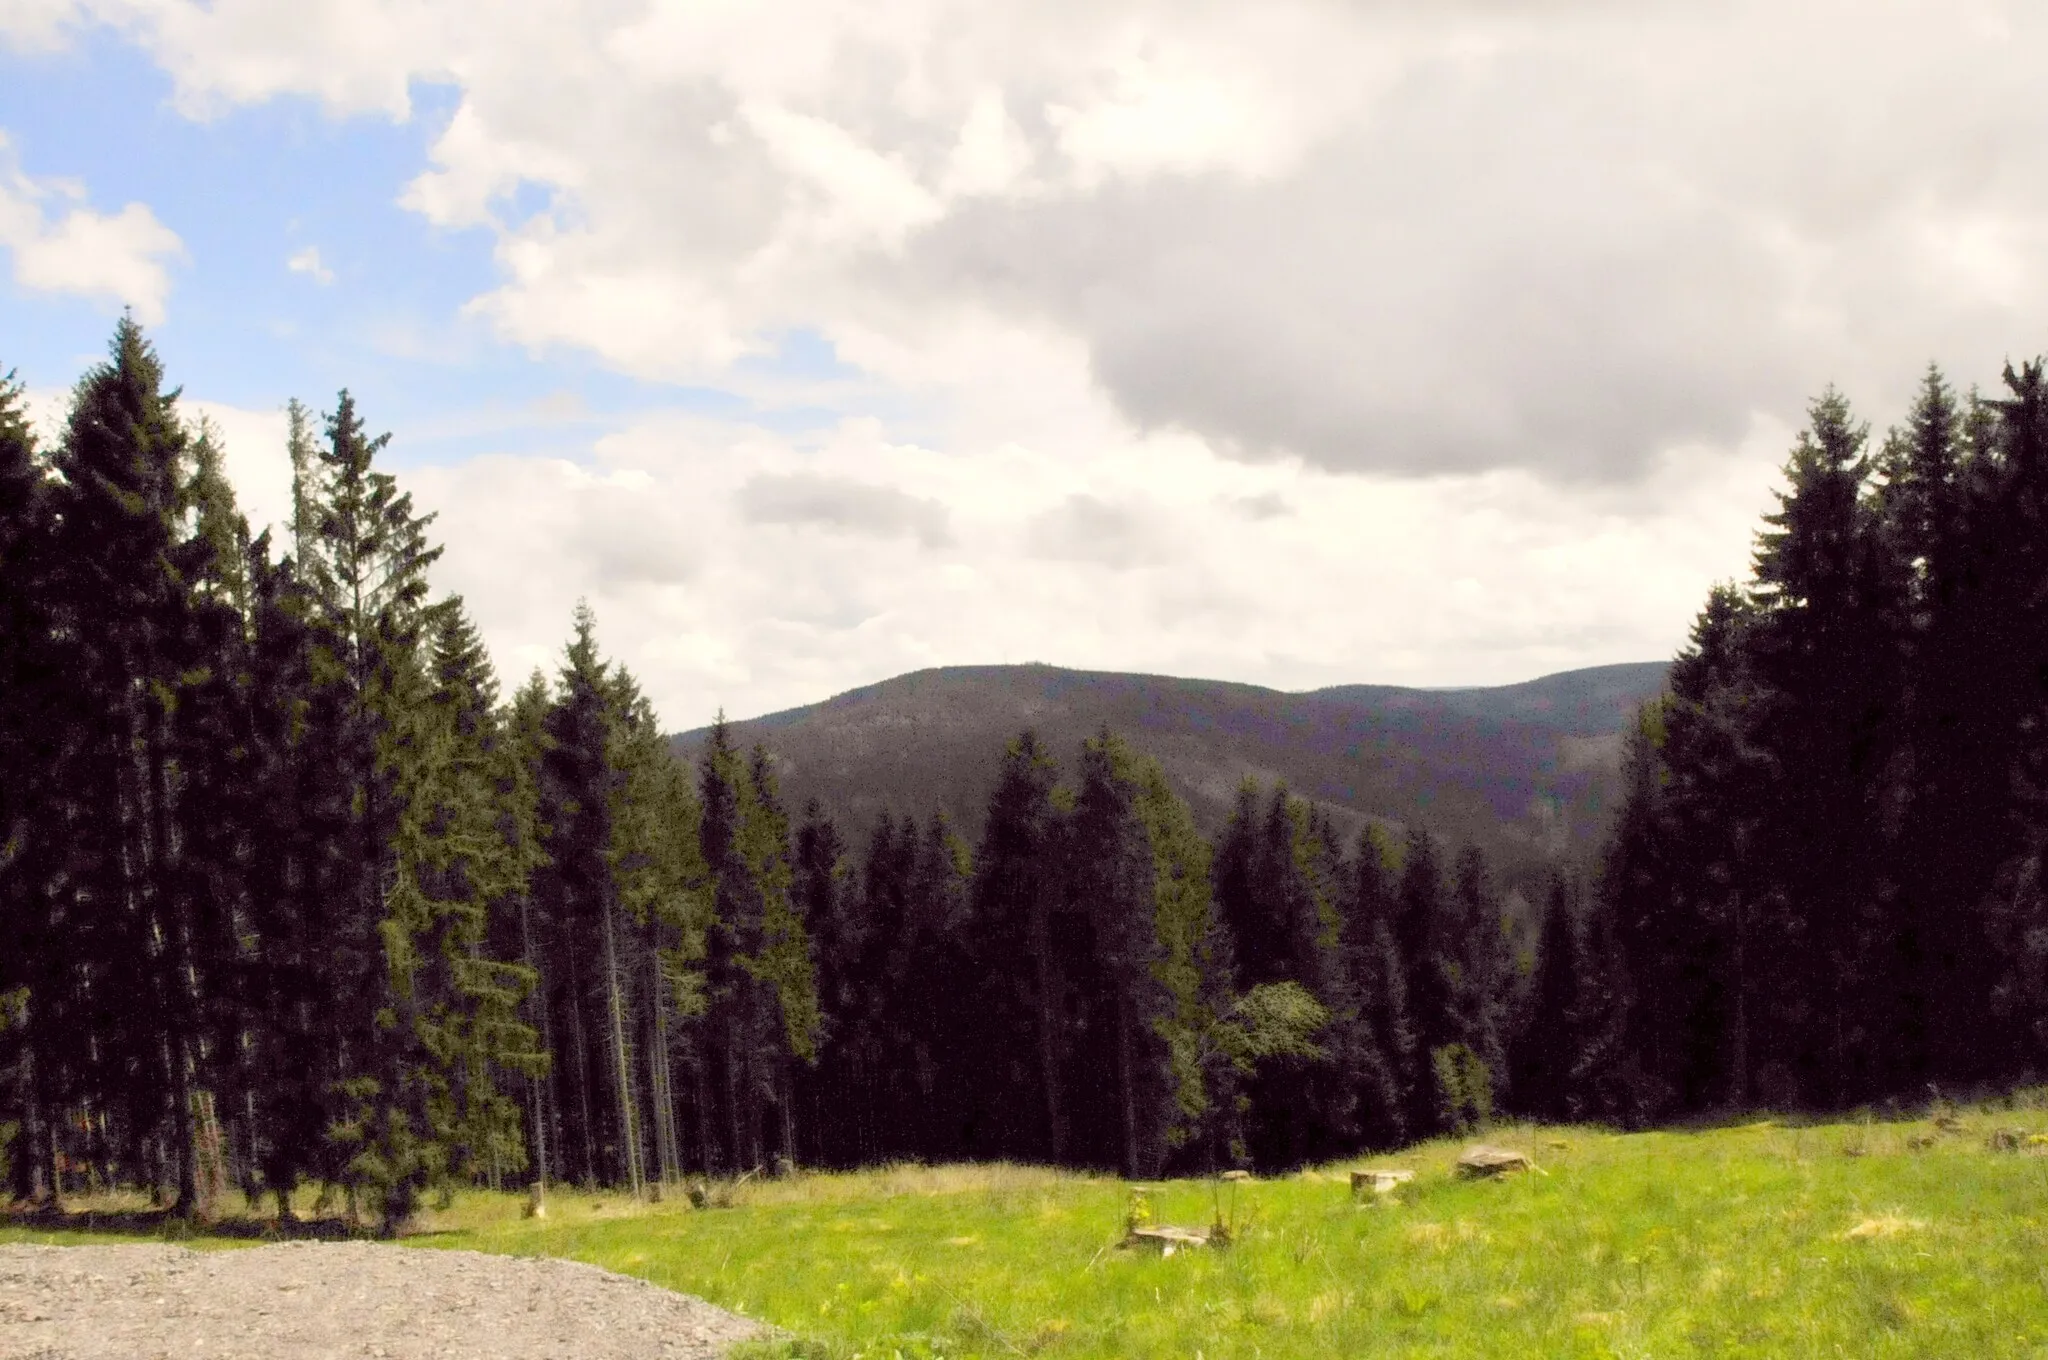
1530 772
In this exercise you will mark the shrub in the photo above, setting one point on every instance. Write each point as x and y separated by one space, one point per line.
1464 1087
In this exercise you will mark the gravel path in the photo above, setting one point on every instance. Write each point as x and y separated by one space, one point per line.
299 1301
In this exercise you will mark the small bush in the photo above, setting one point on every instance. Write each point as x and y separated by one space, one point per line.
1464 1087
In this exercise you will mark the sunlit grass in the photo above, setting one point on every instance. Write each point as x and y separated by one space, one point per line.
1862 1238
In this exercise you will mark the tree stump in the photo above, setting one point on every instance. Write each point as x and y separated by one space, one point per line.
1165 1240
1379 1181
1486 1162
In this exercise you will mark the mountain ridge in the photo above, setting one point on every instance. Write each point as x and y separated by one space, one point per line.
1529 770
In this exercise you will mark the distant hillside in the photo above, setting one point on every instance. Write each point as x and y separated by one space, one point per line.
1528 770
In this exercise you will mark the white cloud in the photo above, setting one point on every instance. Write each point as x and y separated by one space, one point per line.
862 196
1085 528
1299 342
253 450
60 245
843 504
992 156
47 409
1449 239
252 446
36 26
307 261
360 57
1142 556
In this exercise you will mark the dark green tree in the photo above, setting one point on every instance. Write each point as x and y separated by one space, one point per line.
1278 893
34 984
1019 999
761 1013
120 568
1543 1051
1825 648
1388 1061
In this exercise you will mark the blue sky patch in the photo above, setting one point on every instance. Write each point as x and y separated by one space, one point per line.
377 304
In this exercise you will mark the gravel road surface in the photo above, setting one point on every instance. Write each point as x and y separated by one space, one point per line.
298 1301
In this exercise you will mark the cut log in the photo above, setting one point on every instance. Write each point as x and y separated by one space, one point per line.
1379 1180
1492 1161
1237 1175
1165 1240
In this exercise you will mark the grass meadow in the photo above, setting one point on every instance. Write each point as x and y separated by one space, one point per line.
1861 1239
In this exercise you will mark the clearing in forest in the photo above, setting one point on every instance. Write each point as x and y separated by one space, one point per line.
1873 1239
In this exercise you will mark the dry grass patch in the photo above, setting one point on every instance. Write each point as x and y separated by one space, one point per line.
907 1178
1885 1225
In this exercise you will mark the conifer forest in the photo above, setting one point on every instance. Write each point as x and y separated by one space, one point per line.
294 891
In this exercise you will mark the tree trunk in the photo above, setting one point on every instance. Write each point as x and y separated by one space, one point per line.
1048 1050
145 866
629 1131
667 1152
700 1068
38 1160
1739 1057
1123 1081
788 1103
177 931
535 1086
732 1101
580 1043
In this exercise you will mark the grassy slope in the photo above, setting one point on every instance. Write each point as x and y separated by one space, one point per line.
1754 1241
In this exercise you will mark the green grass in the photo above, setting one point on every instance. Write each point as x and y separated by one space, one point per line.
1760 1240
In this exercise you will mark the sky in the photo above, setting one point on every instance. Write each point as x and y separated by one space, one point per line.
1301 343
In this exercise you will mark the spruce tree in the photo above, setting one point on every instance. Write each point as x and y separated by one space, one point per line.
125 611
1937 942
824 896
1602 1077
1825 646
302 837
1687 886
761 1001
1192 966
520 932
1120 1077
210 781
666 892
1547 1046
1019 1000
782 964
2014 660
582 785
34 986
470 868
862 1109
1388 1060
1280 902
1422 938
1477 962
423 1018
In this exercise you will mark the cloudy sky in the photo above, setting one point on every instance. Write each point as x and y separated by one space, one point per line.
1295 342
